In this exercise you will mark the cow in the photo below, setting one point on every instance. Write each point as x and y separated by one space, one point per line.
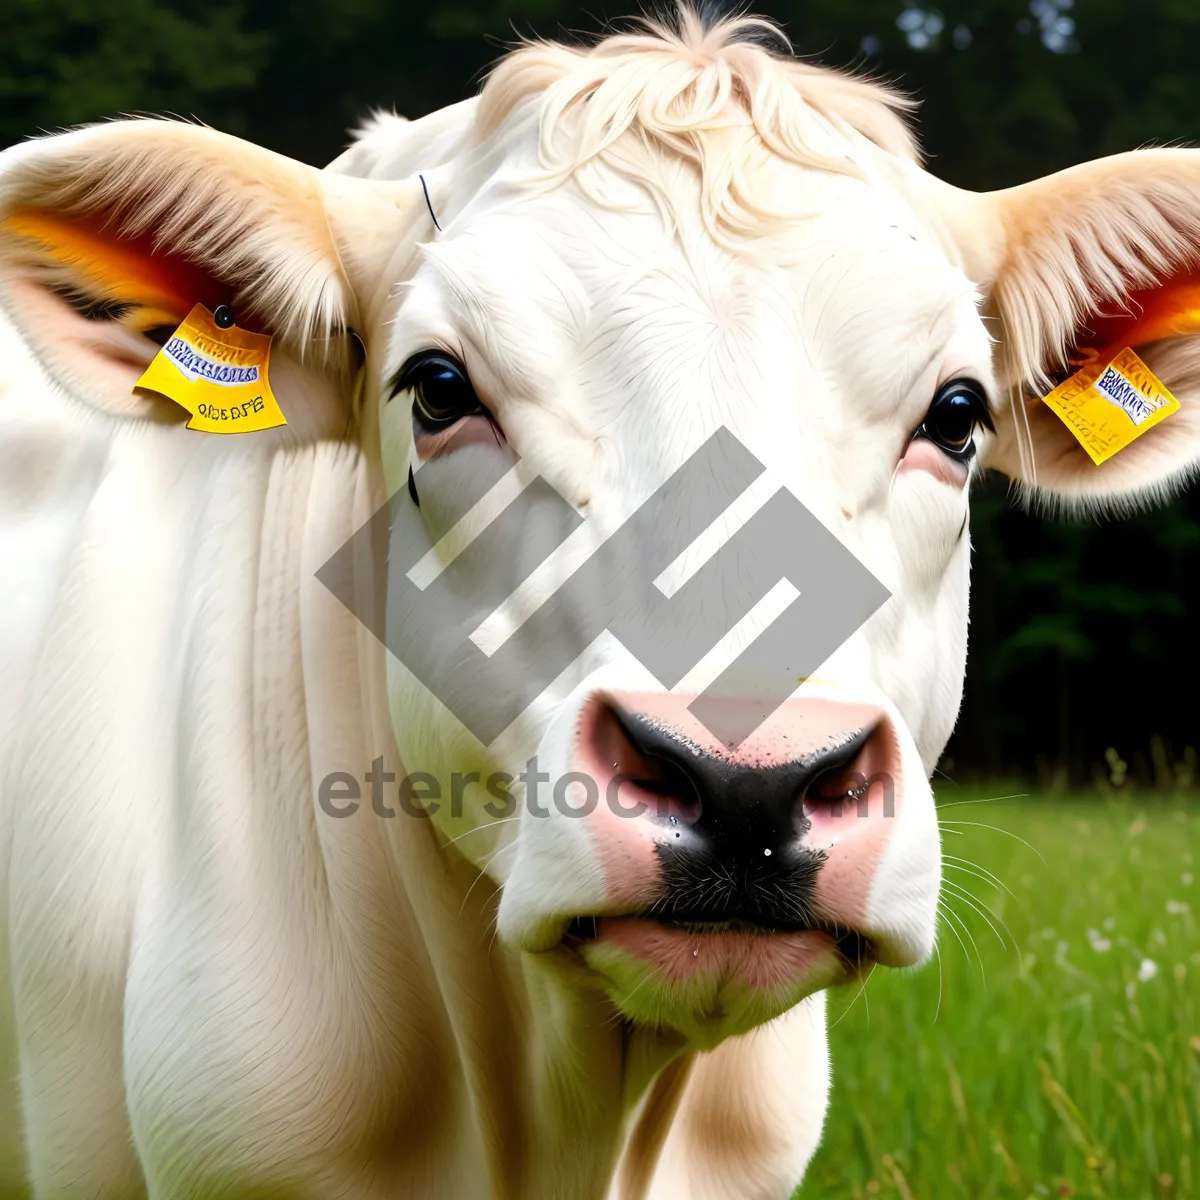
240 958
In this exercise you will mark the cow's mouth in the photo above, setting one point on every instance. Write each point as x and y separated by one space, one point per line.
853 949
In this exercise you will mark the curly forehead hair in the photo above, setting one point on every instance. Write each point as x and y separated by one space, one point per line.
723 96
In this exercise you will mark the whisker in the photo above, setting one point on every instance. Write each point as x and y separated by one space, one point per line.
937 950
1003 923
988 800
479 828
945 913
981 871
970 899
970 938
846 1011
483 871
492 924
997 829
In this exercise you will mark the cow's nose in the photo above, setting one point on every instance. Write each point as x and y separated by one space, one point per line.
742 810
784 831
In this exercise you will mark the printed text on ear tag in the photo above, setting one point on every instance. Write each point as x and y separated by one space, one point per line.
1110 402
218 375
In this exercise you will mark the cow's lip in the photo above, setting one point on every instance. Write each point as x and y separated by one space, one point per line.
855 950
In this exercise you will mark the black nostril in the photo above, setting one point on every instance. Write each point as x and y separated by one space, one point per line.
654 765
836 782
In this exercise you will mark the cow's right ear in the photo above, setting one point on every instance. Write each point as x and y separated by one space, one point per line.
109 235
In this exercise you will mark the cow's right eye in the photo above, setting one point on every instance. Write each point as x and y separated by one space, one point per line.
441 390
958 410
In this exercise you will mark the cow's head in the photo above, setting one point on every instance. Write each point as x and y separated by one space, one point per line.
647 243
661 252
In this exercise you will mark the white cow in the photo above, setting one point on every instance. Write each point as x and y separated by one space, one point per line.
216 986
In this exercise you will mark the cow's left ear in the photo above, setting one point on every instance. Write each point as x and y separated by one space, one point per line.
1094 258
109 235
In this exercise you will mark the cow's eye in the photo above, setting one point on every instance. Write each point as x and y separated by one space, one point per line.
441 391
957 412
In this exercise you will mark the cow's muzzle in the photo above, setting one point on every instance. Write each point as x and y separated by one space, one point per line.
777 840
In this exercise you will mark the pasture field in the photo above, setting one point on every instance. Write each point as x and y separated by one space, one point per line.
1062 1057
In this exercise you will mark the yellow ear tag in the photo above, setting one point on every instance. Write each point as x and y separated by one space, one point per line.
1110 402
218 375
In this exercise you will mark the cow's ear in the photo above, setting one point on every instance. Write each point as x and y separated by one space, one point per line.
1097 257
109 235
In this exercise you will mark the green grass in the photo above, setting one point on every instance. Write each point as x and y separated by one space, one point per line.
1065 1061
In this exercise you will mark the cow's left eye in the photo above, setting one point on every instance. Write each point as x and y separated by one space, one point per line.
441 390
957 412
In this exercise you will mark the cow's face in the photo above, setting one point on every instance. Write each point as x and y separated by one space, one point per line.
605 352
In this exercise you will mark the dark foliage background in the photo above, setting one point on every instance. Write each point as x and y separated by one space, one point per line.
1082 634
